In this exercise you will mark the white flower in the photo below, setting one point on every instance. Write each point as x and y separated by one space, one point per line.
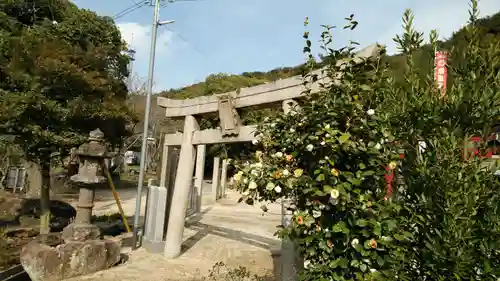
323 143
54 22
292 130
316 214
238 176
327 126
307 263
257 165
355 242
278 154
246 193
310 147
286 173
370 112
373 270
328 136
273 125
255 173
245 180
422 146
266 119
334 194
270 186
255 141
333 201
378 146
252 185
392 165
277 189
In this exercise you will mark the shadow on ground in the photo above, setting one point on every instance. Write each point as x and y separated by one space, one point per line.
205 229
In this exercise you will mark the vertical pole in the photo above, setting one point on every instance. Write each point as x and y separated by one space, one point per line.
199 174
223 178
215 179
182 187
137 214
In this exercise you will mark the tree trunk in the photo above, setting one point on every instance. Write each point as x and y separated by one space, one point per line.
45 200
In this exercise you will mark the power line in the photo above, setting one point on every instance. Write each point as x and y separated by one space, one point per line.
175 1
130 9
187 42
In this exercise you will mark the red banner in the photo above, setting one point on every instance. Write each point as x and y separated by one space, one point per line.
441 70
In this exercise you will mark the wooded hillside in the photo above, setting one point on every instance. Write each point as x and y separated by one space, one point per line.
220 83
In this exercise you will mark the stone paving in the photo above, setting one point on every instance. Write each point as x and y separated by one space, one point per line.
236 234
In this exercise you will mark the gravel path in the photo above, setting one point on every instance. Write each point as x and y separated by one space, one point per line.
236 234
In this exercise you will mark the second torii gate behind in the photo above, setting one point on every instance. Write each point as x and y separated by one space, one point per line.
192 140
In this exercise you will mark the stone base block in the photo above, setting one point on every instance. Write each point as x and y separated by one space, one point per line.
45 263
155 247
78 233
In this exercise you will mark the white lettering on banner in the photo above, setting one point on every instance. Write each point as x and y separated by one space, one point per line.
441 71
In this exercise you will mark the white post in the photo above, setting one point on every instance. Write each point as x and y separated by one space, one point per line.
199 174
215 179
183 184
223 178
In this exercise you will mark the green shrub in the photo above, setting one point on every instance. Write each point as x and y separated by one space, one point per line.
451 204
330 156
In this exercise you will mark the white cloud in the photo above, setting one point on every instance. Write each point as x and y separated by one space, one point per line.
139 39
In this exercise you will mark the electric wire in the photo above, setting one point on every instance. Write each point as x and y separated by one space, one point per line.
191 45
175 1
130 9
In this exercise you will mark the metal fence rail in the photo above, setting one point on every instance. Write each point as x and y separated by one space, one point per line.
15 273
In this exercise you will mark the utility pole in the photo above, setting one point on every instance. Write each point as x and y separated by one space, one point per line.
149 92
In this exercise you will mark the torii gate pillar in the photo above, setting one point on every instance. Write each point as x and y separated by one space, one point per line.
183 183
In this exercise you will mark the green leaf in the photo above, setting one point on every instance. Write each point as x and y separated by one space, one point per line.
391 225
327 188
343 138
361 222
368 173
363 267
380 261
354 181
319 193
320 177
340 227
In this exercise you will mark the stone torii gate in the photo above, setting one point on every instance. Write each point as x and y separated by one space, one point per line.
193 141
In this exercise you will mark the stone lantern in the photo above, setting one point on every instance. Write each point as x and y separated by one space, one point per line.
91 157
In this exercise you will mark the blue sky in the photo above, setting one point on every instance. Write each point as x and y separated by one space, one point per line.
234 36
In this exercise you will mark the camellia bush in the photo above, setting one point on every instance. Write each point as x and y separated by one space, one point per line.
331 156
335 155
